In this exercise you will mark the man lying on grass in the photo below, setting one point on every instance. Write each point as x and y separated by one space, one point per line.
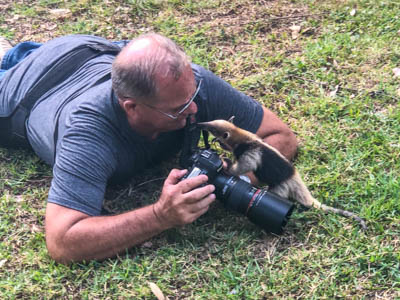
100 112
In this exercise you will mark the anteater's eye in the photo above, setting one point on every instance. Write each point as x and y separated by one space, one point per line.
225 135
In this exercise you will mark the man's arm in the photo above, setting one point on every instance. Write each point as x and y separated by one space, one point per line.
221 101
74 236
277 134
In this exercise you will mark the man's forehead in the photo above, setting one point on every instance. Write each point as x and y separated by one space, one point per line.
182 89
186 79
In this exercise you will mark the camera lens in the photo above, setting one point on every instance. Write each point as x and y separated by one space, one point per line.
264 209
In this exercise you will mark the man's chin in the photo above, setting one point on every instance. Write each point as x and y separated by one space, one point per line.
182 122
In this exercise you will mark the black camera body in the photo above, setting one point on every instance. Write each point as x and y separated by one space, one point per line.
264 209
204 161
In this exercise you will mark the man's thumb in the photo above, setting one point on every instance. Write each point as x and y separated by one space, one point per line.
175 176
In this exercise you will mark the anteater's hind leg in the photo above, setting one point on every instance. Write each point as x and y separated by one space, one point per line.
295 189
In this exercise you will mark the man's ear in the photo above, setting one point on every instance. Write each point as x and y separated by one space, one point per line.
128 106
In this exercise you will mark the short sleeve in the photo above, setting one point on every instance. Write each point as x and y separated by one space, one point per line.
219 100
84 162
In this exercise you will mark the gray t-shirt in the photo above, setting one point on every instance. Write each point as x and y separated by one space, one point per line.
95 144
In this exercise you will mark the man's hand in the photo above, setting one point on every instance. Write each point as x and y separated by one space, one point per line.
74 236
182 202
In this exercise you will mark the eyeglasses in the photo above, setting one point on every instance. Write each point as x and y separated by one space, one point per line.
185 107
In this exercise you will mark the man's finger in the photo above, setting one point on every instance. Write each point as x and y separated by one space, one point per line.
192 183
200 212
202 204
175 176
199 193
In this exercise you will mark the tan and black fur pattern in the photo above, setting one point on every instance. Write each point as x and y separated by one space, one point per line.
270 167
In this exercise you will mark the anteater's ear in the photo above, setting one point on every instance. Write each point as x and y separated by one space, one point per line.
231 119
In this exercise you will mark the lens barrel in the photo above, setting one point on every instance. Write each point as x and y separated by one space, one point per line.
264 209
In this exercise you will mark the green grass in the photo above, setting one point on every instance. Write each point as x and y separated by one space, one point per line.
349 155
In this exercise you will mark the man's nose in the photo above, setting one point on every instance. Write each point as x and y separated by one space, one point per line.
191 110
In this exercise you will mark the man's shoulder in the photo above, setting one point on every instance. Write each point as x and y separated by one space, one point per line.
200 72
96 106
78 39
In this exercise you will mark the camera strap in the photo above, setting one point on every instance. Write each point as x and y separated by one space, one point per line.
191 139
205 138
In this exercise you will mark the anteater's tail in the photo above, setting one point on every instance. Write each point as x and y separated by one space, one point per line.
295 188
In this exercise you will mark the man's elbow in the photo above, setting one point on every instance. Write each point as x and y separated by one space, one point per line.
62 244
62 248
284 141
57 252
292 144
277 134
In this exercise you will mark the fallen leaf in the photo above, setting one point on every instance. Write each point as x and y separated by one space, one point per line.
335 64
148 244
19 198
307 31
396 72
60 13
233 292
2 262
35 228
51 27
295 31
332 94
156 291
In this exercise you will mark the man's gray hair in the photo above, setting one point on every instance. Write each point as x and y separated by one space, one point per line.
136 78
